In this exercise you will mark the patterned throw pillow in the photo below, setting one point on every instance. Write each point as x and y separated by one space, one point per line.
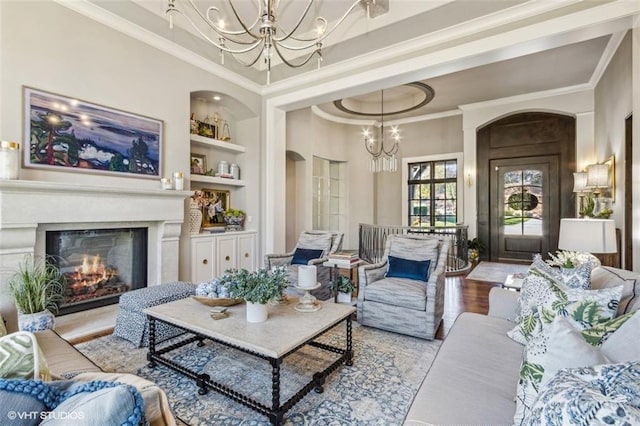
21 358
563 345
603 394
605 277
543 299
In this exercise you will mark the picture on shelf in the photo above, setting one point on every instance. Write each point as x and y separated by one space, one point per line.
68 134
218 200
198 164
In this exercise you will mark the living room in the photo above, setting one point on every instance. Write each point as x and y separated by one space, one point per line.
101 53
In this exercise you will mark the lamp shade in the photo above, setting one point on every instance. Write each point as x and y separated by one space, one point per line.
580 182
588 235
598 175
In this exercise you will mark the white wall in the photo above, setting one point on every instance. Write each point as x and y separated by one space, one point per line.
613 104
49 47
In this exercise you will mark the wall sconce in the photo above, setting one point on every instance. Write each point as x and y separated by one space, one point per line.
469 180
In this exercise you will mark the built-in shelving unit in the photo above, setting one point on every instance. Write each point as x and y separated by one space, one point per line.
205 142
217 180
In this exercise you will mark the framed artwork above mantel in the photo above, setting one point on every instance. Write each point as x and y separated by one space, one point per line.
68 134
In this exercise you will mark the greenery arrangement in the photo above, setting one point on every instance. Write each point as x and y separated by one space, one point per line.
37 287
342 284
565 259
476 244
256 287
234 212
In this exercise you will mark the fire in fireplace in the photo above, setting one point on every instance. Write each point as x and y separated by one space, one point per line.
98 265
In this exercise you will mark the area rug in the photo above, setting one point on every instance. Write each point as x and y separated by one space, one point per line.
495 272
377 390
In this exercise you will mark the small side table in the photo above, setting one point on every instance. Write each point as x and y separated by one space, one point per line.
513 282
353 266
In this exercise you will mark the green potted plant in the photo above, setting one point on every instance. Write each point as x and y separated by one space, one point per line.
37 289
257 288
475 247
234 219
343 288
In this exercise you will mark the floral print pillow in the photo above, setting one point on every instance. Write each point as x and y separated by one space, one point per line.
603 394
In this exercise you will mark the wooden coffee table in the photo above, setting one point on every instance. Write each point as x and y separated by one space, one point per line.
285 331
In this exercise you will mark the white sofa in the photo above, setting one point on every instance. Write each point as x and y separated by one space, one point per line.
474 378
66 362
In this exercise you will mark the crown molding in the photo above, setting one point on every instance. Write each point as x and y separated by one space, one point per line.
98 14
527 97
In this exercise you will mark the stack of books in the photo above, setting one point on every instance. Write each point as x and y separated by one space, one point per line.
344 259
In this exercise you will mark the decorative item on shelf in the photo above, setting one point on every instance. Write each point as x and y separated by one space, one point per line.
226 133
165 183
216 121
178 181
193 124
234 169
223 168
234 219
206 128
9 160
196 204
216 201
343 288
198 164
38 289
256 288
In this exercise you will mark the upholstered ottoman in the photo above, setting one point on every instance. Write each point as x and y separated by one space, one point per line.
131 322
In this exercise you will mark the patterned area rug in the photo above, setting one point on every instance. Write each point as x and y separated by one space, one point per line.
377 390
495 272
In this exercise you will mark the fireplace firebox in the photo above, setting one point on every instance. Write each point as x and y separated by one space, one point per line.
98 265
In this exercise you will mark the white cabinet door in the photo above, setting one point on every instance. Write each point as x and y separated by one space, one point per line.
226 252
247 252
202 260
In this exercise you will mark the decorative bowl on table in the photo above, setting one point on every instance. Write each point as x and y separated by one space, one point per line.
217 301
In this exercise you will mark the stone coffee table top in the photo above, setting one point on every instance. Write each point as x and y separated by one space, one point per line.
283 331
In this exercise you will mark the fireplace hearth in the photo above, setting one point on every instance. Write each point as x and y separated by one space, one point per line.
98 265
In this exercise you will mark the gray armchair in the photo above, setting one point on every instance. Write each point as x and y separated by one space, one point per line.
319 241
405 305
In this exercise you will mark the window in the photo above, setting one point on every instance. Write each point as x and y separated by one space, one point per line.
433 193
523 205
328 194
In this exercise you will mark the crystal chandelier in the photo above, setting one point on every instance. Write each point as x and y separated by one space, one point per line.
264 35
383 159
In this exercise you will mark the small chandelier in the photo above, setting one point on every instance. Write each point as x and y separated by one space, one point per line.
382 159
264 35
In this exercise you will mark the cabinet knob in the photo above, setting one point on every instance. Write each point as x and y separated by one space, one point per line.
246 255
205 261
227 258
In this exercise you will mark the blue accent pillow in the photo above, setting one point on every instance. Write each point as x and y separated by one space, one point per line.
303 256
411 269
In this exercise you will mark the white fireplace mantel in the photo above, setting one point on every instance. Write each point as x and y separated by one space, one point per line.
29 208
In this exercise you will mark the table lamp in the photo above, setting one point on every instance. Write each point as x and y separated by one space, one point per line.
588 235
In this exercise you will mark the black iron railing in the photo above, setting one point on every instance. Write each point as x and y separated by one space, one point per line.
373 238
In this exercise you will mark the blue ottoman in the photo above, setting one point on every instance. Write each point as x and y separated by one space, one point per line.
131 322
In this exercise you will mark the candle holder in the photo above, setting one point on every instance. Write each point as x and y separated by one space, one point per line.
308 302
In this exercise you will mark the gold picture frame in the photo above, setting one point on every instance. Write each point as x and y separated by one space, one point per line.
218 200
198 164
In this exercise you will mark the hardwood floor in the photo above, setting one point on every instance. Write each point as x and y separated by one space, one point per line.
462 295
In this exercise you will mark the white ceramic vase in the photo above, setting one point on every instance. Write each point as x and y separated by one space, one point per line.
344 297
39 321
195 220
257 312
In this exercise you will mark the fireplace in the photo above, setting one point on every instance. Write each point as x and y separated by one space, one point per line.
98 265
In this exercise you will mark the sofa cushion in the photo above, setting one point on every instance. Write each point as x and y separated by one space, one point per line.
414 248
402 292
22 358
410 269
606 277
315 241
302 256
622 345
602 394
542 298
473 378
3 327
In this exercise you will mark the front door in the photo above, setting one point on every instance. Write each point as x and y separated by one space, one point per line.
524 209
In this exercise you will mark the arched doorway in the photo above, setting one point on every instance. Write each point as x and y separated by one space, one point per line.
525 163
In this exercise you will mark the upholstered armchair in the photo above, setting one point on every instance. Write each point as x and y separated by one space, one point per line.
404 292
312 248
